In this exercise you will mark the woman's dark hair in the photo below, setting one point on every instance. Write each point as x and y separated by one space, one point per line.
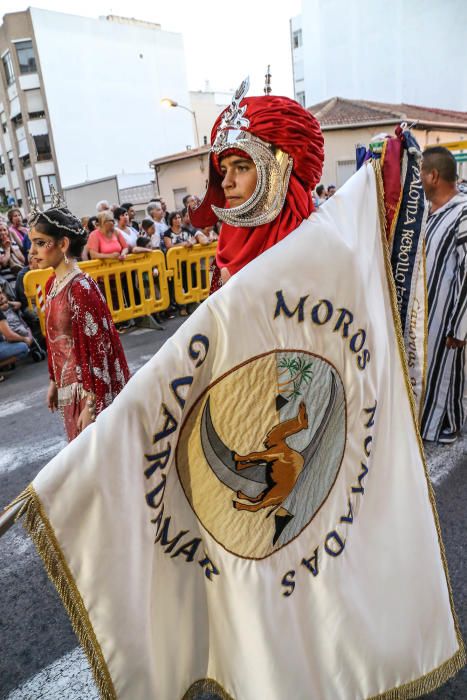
92 223
61 223
172 216
118 212
143 241
146 224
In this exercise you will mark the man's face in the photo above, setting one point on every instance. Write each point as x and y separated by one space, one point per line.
157 213
163 205
131 213
429 177
240 179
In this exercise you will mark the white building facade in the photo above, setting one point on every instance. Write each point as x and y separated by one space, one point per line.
399 52
207 105
80 99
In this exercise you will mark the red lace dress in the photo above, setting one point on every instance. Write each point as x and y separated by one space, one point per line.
84 351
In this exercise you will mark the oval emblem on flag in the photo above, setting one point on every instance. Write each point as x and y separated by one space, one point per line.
261 449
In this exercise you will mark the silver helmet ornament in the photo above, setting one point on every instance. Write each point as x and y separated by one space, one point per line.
273 168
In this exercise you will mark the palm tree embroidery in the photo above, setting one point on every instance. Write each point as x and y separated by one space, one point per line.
293 373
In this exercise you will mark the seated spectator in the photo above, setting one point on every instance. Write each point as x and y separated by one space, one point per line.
131 215
11 257
18 232
104 242
122 225
103 205
15 337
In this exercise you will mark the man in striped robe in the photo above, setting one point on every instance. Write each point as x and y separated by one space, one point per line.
446 258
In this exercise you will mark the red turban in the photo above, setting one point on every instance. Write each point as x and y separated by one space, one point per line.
285 124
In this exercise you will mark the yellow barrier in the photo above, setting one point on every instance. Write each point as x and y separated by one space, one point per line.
130 288
190 271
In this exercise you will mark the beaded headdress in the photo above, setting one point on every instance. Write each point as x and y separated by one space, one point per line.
58 205
273 168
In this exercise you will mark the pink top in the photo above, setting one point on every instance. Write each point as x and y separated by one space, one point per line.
101 244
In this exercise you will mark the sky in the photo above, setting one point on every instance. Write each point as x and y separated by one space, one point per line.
224 41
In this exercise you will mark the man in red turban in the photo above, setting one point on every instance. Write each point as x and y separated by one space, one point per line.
266 158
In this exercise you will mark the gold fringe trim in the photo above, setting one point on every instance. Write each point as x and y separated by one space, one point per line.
432 680
40 530
206 685
426 684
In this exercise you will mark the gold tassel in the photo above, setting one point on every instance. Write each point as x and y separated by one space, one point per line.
40 530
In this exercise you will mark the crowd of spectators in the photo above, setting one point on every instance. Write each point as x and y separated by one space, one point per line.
20 335
113 232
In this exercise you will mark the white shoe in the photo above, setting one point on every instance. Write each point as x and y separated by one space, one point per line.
446 438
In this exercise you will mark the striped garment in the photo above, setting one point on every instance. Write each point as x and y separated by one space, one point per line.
446 260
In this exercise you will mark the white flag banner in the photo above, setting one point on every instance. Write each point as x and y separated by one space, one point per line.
252 515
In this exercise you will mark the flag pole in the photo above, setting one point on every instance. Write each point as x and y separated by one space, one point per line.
8 517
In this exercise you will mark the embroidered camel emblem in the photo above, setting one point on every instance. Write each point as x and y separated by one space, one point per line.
283 464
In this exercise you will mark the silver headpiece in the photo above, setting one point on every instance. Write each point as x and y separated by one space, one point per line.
273 166
58 205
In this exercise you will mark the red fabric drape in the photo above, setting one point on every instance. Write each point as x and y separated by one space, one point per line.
237 246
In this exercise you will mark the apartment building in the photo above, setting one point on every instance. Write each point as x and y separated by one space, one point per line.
80 99
396 52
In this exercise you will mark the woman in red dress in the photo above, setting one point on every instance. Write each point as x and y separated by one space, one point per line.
87 365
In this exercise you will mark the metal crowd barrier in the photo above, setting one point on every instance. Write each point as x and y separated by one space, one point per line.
141 284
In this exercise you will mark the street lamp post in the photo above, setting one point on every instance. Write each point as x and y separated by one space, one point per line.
167 102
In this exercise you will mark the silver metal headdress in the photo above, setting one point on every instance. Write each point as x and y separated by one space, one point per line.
58 205
273 166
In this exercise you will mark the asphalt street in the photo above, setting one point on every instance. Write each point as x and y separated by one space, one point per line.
39 655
